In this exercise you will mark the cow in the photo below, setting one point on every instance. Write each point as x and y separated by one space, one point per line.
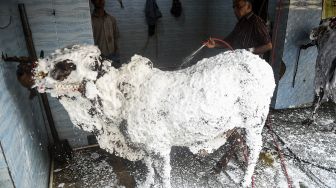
139 112
324 37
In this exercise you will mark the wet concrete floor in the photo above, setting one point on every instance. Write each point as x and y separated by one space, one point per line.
309 152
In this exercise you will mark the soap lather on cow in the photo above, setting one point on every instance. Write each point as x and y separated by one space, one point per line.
142 84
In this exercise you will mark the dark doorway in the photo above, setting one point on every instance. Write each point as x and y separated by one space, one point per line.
260 8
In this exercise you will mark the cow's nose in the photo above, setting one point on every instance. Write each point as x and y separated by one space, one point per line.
72 66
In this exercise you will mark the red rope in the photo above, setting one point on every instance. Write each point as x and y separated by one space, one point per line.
282 158
226 44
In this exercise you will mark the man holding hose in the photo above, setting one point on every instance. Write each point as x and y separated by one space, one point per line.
250 32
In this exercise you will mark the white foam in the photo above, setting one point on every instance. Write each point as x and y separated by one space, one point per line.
138 110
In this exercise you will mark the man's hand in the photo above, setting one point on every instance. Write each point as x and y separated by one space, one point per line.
251 50
210 43
262 49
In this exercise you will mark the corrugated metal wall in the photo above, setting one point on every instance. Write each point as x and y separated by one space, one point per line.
176 38
59 23
5 176
23 134
56 24
302 17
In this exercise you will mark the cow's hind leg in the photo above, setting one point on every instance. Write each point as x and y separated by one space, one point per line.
254 144
234 142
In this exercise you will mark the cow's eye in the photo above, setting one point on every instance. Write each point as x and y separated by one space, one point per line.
63 69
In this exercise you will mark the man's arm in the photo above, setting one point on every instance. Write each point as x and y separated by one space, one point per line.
261 49
263 37
211 43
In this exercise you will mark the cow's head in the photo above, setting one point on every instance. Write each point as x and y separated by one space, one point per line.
325 26
67 70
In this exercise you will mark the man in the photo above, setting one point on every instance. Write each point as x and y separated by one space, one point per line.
250 32
105 32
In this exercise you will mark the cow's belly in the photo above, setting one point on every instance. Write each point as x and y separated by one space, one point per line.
177 111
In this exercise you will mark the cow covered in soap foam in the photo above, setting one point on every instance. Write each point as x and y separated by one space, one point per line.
140 112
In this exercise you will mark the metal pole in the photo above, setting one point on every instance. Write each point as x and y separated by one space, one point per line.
27 31
32 53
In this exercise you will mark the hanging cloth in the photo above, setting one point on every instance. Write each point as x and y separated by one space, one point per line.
176 9
152 13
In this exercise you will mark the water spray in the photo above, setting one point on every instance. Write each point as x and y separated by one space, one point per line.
192 55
